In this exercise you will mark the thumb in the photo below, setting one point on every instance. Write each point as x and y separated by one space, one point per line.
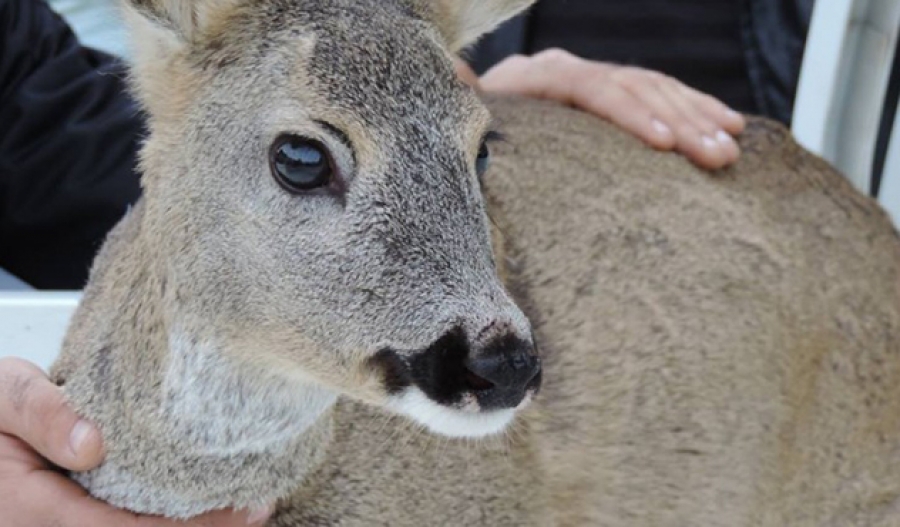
34 409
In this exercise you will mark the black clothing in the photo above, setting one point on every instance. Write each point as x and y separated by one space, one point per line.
745 52
695 41
69 131
68 139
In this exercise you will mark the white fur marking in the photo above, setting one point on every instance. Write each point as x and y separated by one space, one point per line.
225 409
448 421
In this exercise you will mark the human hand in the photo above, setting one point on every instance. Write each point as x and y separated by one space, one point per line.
34 422
656 108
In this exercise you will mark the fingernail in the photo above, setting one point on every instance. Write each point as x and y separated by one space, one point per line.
709 143
733 114
661 127
260 515
724 138
79 436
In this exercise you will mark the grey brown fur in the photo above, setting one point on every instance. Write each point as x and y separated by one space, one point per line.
719 350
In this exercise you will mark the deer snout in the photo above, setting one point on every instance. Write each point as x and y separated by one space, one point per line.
482 374
503 373
463 387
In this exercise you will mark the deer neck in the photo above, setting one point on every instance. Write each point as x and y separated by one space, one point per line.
188 425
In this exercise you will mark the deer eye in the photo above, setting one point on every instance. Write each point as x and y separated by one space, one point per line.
484 159
300 164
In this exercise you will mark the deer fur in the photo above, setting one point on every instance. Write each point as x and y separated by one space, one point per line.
718 350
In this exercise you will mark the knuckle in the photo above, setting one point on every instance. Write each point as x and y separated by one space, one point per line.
515 63
613 98
31 404
11 367
709 100
668 81
20 391
665 112
656 76
16 383
631 78
554 60
11 363
553 55
515 60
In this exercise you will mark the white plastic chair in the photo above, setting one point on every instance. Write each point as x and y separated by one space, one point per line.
843 83
32 324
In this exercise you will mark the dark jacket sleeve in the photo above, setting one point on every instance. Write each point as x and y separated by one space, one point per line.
774 35
68 139
509 39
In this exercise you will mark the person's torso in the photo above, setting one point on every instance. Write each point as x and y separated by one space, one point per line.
696 41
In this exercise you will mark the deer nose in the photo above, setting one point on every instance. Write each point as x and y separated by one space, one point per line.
503 373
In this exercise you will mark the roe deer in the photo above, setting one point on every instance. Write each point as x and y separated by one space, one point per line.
309 284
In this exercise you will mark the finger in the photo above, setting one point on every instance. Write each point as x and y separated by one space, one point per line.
697 136
729 146
35 410
551 74
620 106
47 498
563 77
512 75
17 458
645 87
716 114
730 120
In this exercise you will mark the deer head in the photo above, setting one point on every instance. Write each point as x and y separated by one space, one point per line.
312 193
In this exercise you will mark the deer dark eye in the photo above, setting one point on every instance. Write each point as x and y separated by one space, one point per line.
483 160
300 164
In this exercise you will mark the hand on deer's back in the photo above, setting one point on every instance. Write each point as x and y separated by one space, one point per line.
658 109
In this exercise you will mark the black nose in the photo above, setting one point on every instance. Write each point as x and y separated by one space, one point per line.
499 373
503 373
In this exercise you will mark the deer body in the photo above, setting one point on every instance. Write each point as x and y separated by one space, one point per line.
716 349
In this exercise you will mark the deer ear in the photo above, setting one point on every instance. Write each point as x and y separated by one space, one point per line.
162 30
462 22
176 21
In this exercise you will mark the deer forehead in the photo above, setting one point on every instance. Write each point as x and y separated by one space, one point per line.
376 71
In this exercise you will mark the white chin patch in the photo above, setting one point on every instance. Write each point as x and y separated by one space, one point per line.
449 421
